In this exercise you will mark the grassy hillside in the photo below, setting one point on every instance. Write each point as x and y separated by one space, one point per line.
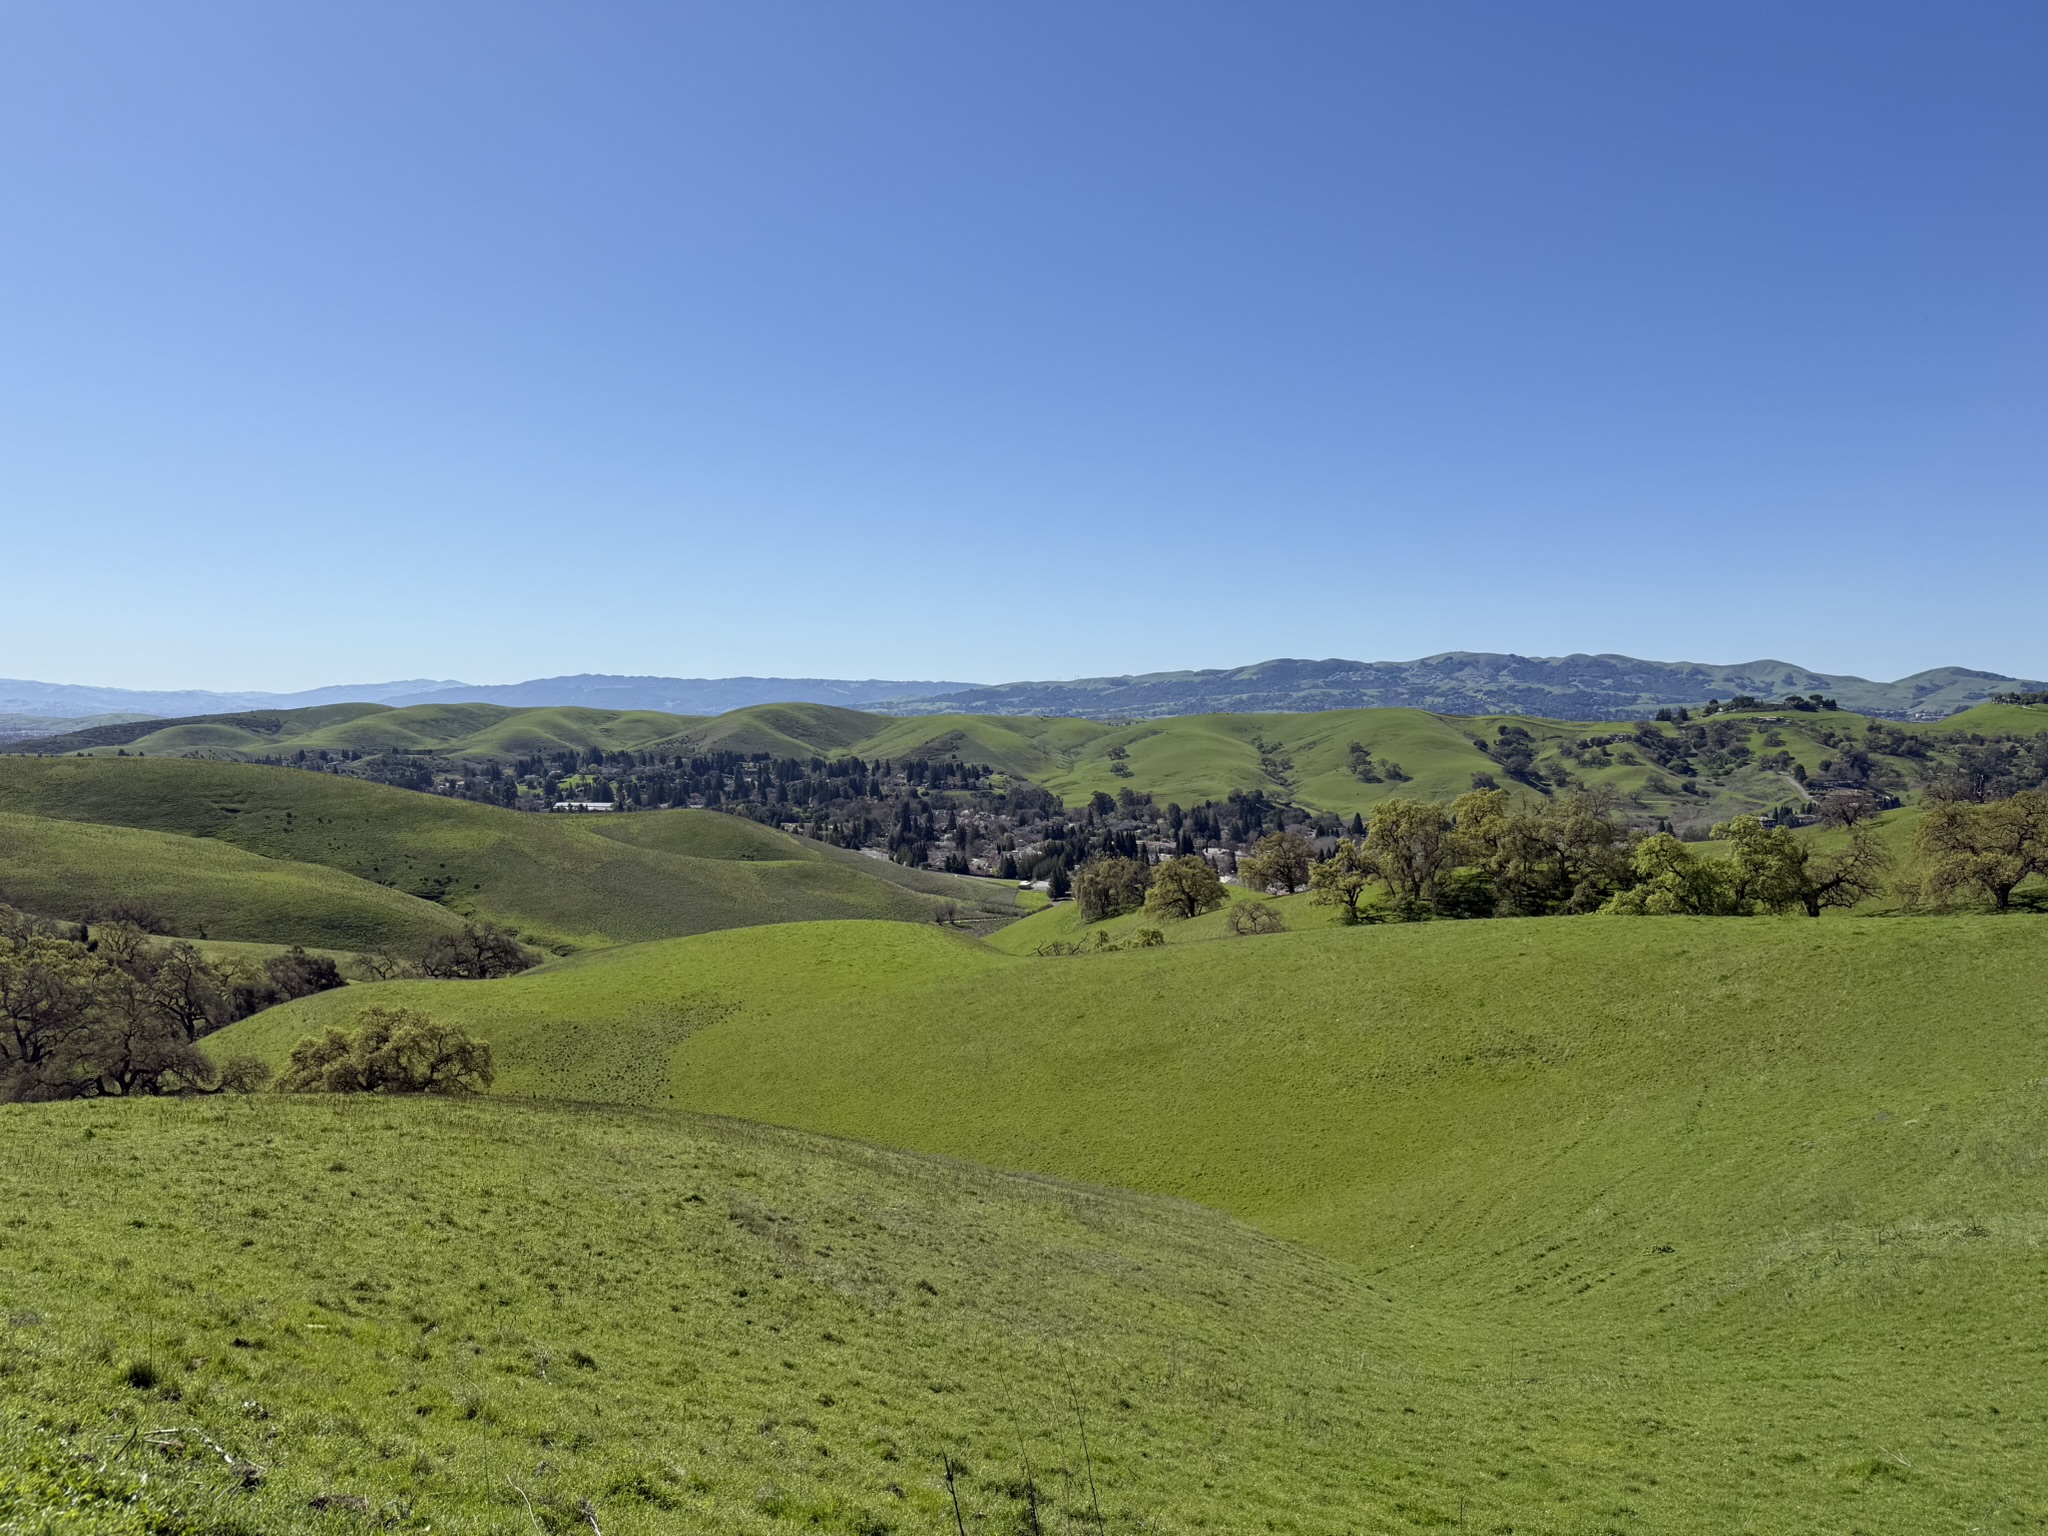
2014 719
1688 1195
606 1026
206 889
497 1317
926 1038
1305 758
714 835
19 727
1038 748
1194 757
457 730
781 730
559 880
1062 923
489 730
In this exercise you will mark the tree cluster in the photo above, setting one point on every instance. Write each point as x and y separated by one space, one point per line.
474 952
1368 769
1770 870
1111 886
86 1015
1988 769
1805 703
1488 855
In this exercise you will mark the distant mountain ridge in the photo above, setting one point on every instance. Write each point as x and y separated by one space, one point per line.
20 696
672 695
1576 687
683 695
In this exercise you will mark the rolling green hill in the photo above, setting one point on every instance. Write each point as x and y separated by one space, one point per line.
2013 719
1308 758
1688 1194
780 730
712 835
244 729
1305 758
204 888
562 882
480 731
19 727
558 1320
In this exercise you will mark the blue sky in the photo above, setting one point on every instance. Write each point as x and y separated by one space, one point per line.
926 340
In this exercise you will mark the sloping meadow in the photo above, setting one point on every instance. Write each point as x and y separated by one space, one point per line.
1738 1222
288 1315
561 881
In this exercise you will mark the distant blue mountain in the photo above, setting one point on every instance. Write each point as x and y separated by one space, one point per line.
1604 687
683 695
1580 687
676 695
19 696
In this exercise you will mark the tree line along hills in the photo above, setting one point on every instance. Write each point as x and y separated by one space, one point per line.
1469 1198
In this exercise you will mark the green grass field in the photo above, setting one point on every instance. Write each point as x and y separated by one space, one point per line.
563 882
679 1324
1750 1208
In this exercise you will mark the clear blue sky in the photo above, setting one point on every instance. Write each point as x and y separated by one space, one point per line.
493 340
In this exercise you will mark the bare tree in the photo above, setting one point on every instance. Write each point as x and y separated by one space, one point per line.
1847 807
1250 917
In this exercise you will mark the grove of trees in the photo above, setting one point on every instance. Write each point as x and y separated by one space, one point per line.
1489 853
1771 870
113 1008
122 1012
